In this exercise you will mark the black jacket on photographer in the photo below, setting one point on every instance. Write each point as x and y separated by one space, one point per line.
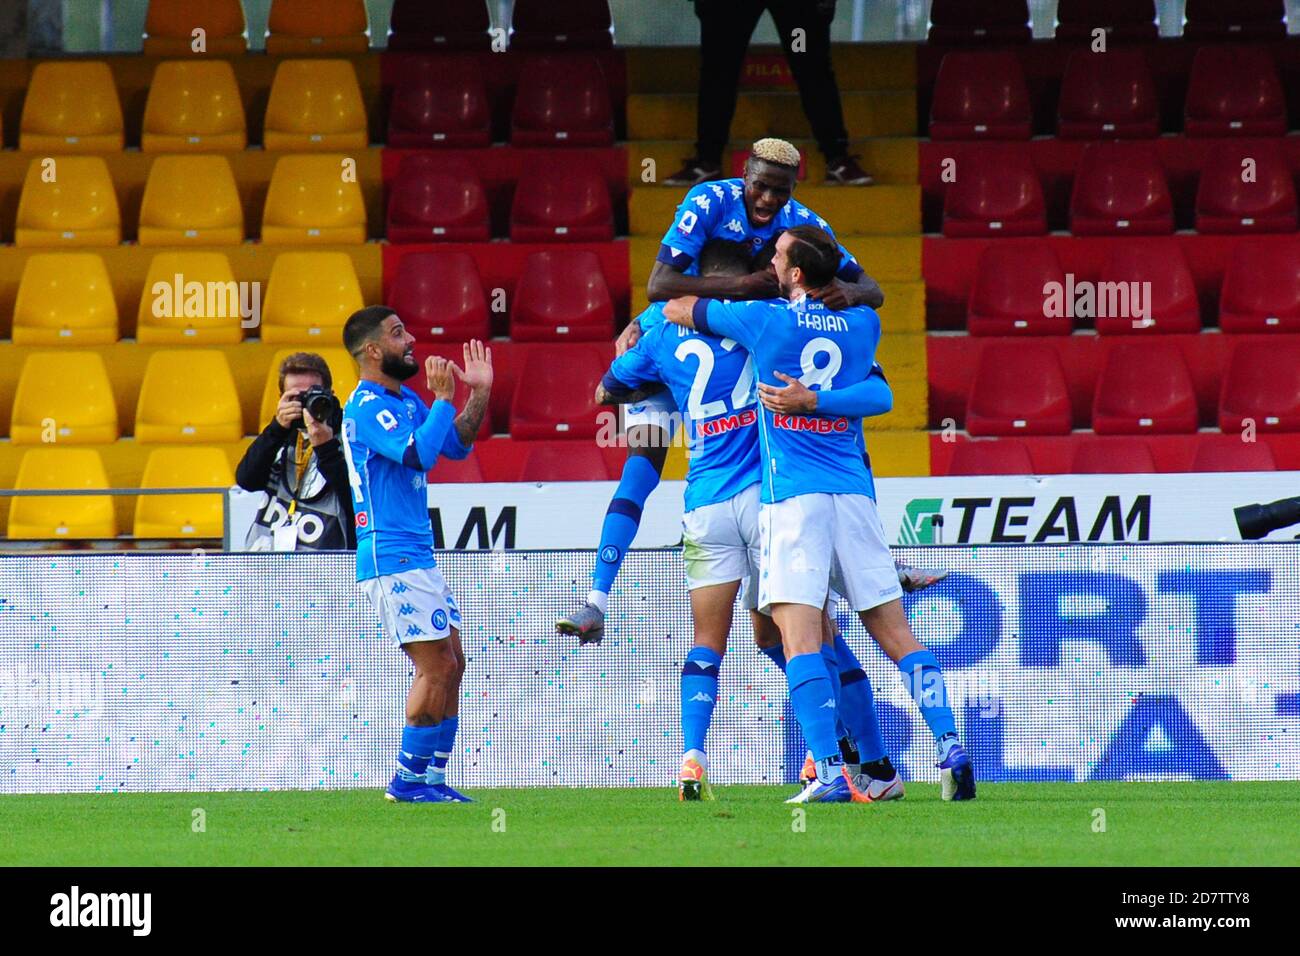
308 483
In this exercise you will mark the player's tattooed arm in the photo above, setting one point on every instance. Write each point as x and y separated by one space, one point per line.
667 283
477 374
626 396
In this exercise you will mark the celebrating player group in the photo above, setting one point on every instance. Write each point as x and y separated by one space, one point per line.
761 341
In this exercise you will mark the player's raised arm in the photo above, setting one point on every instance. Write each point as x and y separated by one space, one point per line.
668 283
633 376
478 375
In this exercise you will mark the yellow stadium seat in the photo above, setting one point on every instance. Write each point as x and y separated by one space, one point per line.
191 200
193 107
63 516
315 105
71 107
202 307
310 26
68 201
187 396
65 297
182 516
310 200
343 371
309 296
170 25
64 398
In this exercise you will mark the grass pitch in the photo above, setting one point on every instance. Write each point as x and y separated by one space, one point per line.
1151 824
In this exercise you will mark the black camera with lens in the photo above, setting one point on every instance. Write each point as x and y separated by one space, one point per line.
320 402
1258 521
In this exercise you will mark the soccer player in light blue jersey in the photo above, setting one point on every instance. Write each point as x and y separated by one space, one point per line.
818 519
713 380
391 439
751 210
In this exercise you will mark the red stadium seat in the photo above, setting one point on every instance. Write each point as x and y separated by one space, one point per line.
450 471
1234 19
990 21
1008 298
441 101
1144 388
996 193
1262 384
563 461
562 296
443 25
1121 19
439 296
1003 456
1230 453
1120 189
561 202
1107 456
1018 389
571 25
562 101
1266 203
555 392
1234 91
1107 96
437 199
980 95
1172 307
1261 288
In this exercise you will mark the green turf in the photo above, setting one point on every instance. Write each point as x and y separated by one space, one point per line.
1172 824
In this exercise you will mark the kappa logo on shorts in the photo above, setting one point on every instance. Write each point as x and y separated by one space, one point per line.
399 588
406 609
440 620
609 554
415 631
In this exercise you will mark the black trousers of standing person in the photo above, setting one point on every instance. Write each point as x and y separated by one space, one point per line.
725 30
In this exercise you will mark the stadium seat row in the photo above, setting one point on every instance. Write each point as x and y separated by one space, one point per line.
1004 21
314 105
542 390
188 298
1213 451
66 298
190 200
193 200
90 516
1121 189
1020 388
1232 91
439 199
341 26
1144 288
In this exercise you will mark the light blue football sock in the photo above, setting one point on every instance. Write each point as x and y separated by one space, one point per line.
418 745
699 695
622 519
813 701
923 679
857 704
833 673
437 772
776 654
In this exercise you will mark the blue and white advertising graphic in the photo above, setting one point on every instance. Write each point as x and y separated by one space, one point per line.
1006 509
134 672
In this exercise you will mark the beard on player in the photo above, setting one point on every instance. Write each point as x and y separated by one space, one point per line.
400 365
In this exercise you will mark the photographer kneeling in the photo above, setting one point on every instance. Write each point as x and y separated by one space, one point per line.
298 463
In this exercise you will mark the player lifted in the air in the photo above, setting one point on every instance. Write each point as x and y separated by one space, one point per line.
391 440
818 520
712 380
751 210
